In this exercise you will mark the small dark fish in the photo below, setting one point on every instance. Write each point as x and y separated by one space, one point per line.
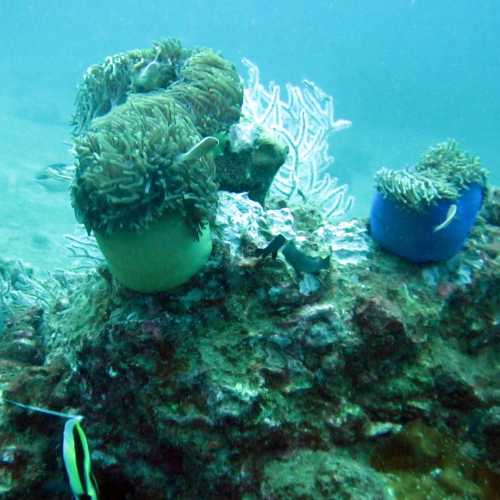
272 248
303 263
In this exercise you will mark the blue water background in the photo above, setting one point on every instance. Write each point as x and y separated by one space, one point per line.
408 73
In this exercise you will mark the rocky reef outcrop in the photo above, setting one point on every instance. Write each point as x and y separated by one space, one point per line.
374 378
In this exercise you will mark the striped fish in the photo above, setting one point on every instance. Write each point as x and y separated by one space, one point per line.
76 456
76 453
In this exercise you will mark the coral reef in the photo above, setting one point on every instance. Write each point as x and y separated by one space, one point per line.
249 382
330 369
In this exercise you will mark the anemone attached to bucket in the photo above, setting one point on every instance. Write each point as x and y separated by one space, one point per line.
425 213
145 179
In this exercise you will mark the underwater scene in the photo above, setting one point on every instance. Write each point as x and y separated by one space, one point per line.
250 250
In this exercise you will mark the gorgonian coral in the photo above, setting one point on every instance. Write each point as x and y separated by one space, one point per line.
303 122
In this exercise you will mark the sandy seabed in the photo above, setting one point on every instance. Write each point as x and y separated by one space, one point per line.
33 219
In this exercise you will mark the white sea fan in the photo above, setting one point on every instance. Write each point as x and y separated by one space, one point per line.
84 250
303 122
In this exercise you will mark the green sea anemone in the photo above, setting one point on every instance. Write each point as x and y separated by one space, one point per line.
144 172
109 84
129 168
158 258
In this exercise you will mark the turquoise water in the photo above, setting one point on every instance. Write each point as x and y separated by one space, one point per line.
408 73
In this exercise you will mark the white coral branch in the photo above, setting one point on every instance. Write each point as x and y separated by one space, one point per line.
303 122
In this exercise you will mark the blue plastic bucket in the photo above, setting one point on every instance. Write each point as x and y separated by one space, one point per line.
411 234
